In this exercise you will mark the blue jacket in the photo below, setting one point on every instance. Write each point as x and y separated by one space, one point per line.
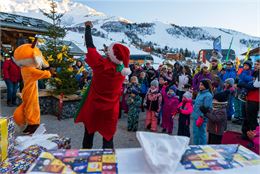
230 73
246 76
204 98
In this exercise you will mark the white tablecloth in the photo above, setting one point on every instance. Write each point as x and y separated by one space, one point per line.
132 161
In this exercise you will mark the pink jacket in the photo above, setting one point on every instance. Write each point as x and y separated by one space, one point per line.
188 107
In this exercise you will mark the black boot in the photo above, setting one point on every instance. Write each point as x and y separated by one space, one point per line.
9 104
30 129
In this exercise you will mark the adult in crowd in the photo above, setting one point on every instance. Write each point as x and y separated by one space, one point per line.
230 71
183 79
100 106
150 71
12 77
252 102
136 69
203 74
79 68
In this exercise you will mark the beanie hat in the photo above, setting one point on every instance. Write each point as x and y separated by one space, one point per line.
222 96
120 55
173 87
205 83
230 81
187 95
155 83
203 66
249 63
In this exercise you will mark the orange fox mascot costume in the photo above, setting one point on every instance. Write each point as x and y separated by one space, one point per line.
30 59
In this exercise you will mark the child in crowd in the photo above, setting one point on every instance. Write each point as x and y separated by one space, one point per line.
144 87
217 117
134 103
152 102
133 85
170 105
245 78
204 98
185 109
228 85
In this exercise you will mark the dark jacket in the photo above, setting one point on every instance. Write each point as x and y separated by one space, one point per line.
217 119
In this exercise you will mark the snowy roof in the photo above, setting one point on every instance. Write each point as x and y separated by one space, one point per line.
255 51
74 49
8 20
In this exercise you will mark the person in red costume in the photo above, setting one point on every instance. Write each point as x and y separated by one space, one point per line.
100 106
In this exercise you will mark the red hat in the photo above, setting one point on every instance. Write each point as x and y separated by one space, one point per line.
120 54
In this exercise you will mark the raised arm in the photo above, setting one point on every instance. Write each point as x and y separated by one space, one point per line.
88 36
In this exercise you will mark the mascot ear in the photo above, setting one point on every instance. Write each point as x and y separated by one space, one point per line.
34 42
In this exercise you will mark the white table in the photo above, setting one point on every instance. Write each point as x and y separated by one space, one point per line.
132 161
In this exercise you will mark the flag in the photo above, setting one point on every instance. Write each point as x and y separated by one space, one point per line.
229 49
217 44
247 53
237 63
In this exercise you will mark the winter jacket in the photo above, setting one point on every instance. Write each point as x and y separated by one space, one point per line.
217 119
230 73
143 85
245 76
133 87
204 98
153 100
253 94
170 103
151 74
134 103
197 78
11 71
186 107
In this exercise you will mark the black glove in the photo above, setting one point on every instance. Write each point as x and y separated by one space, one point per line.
204 109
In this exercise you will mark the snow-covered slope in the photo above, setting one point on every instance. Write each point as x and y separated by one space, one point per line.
109 29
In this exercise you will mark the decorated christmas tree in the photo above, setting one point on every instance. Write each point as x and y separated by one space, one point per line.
57 54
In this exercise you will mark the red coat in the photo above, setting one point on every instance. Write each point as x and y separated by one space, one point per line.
101 108
11 71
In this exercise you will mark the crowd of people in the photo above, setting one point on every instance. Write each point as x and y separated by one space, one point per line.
207 97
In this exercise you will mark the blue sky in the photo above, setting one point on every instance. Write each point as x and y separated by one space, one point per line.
241 15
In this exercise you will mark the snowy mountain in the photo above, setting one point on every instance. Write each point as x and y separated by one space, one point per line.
157 35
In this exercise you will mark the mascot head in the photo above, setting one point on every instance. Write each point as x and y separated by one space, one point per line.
30 55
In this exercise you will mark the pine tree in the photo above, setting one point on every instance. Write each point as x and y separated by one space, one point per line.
57 54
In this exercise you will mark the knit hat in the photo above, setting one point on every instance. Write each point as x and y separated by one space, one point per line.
120 55
249 63
222 96
203 66
173 87
187 95
205 83
155 83
230 81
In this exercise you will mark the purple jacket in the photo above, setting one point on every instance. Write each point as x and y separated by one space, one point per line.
197 78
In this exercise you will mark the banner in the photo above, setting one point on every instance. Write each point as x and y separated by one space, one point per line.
229 49
217 44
